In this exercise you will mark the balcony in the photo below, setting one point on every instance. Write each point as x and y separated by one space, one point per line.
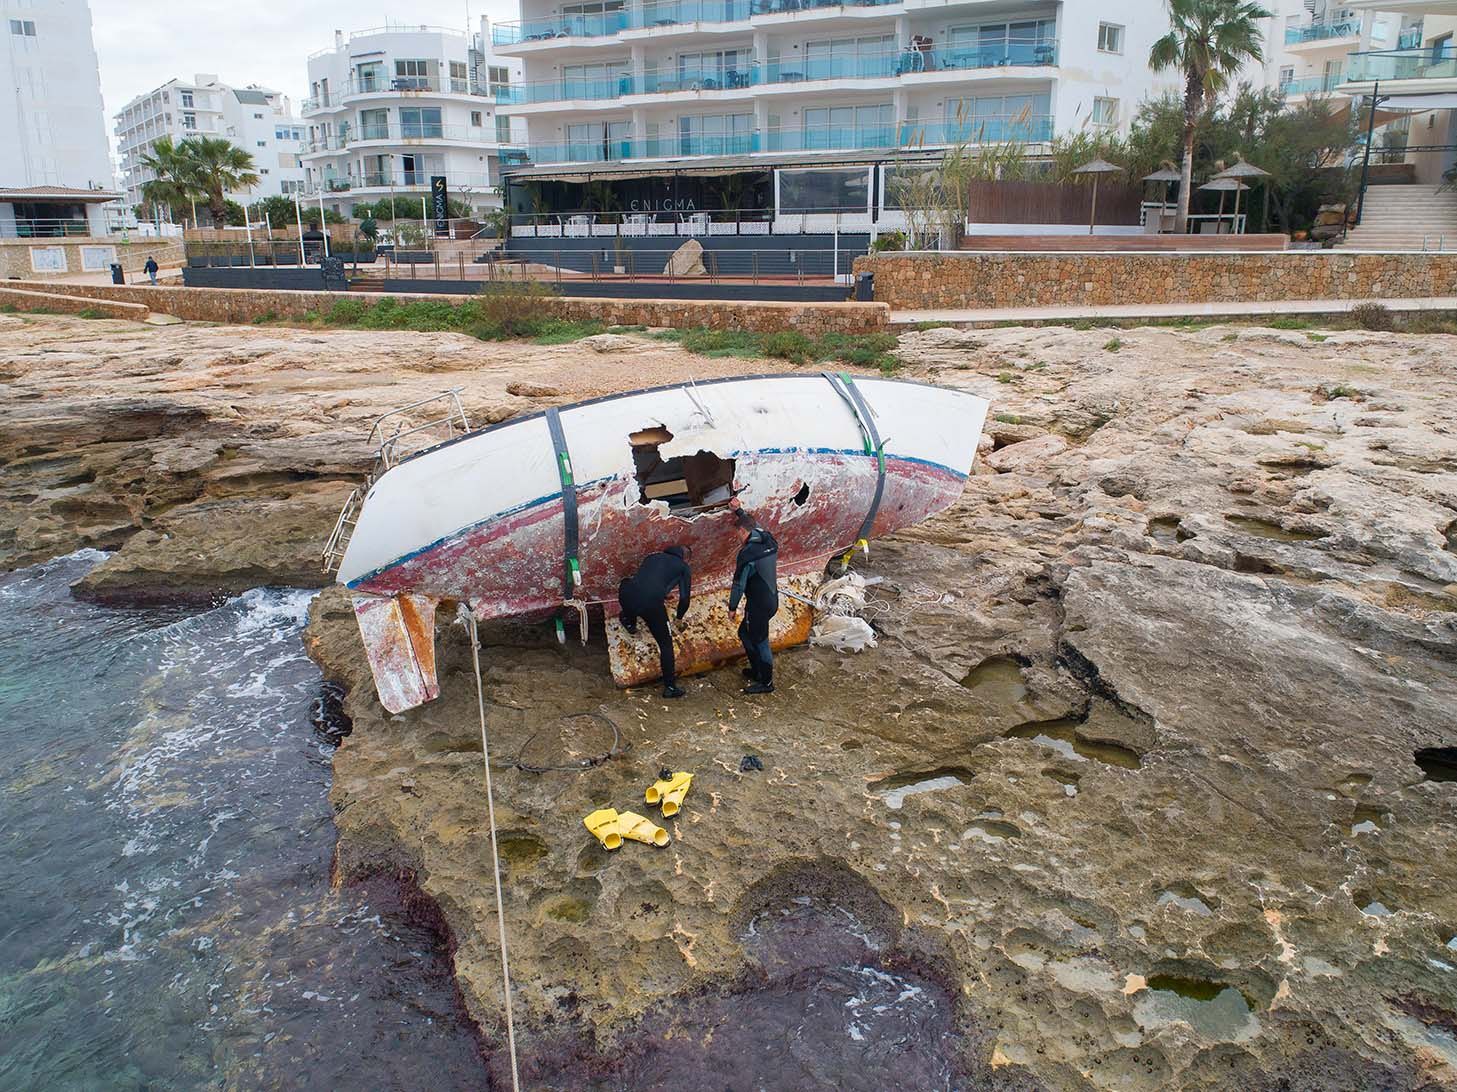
1022 127
414 132
1392 65
850 66
657 14
404 85
1312 85
1323 32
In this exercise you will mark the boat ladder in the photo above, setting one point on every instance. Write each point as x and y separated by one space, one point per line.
398 435
343 528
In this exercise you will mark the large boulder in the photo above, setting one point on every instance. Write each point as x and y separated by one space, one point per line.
686 261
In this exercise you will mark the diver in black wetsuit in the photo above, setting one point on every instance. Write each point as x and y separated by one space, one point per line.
644 596
756 582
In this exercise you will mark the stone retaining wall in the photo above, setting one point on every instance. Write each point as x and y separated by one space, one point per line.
242 305
15 254
68 304
966 281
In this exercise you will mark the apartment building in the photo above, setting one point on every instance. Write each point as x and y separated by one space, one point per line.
52 125
807 102
1308 43
256 119
391 107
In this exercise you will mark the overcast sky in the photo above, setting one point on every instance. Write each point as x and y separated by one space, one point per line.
142 44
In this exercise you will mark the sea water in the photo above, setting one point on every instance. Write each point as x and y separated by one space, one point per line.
166 915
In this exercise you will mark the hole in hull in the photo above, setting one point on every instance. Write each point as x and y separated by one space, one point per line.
688 484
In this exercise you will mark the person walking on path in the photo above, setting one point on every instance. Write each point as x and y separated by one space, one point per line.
644 597
756 583
150 269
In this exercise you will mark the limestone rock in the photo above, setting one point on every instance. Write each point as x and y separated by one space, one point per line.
1027 454
686 261
532 390
611 343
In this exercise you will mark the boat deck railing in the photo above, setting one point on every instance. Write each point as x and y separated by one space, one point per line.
398 435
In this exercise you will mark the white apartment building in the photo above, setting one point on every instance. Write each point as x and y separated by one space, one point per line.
392 107
55 167
258 120
1308 43
663 79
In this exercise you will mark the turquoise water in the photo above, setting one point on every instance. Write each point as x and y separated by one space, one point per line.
166 918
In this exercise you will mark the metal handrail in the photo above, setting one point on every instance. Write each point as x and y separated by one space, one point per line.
387 451
338 541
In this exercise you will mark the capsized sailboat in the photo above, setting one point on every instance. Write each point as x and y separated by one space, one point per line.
552 511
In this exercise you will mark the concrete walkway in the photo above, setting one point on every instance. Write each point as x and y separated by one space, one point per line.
991 316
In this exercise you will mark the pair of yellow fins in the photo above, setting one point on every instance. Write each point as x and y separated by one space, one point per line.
610 827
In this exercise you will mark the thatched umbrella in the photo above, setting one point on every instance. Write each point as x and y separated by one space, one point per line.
1223 186
1240 172
1168 176
1097 168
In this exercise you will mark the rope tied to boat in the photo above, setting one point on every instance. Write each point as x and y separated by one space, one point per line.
475 653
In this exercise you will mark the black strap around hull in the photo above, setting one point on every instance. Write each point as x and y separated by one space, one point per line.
571 568
845 387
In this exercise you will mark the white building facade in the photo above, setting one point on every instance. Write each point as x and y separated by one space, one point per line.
391 108
52 123
666 79
256 119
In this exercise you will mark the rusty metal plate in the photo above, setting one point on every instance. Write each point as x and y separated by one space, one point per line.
707 638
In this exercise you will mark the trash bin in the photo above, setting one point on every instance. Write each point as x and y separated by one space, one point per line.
864 287
116 274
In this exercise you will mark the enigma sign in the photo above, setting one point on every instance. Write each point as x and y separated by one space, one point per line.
665 204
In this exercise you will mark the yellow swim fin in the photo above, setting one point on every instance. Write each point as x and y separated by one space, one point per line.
605 825
641 829
670 788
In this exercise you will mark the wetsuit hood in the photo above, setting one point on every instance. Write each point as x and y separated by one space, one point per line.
676 551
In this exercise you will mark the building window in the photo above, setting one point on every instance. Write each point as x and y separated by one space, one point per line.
189 121
412 74
499 76
459 76
187 99
257 117
22 27
503 129
1287 75
420 122
1105 111
262 170
834 128
1110 38
475 118
261 143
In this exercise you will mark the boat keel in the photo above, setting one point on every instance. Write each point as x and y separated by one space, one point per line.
399 639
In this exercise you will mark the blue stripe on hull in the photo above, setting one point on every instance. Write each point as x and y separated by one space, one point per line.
551 497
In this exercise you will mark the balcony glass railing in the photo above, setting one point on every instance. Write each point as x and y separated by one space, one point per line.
986 130
1319 32
1312 85
660 13
388 85
850 66
1427 63
29 227
403 133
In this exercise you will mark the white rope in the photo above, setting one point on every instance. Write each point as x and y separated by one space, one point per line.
475 652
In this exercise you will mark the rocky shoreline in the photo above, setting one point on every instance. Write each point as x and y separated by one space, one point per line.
1129 791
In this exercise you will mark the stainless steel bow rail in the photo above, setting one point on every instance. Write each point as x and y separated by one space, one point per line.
396 436
394 429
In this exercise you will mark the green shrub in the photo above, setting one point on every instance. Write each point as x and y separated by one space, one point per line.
565 331
1289 322
346 312
789 345
891 240
1113 346
1373 316
511 310
1430 322
91 312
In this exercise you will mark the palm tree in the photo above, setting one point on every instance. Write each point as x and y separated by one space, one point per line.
1208 41
174 182
218 166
